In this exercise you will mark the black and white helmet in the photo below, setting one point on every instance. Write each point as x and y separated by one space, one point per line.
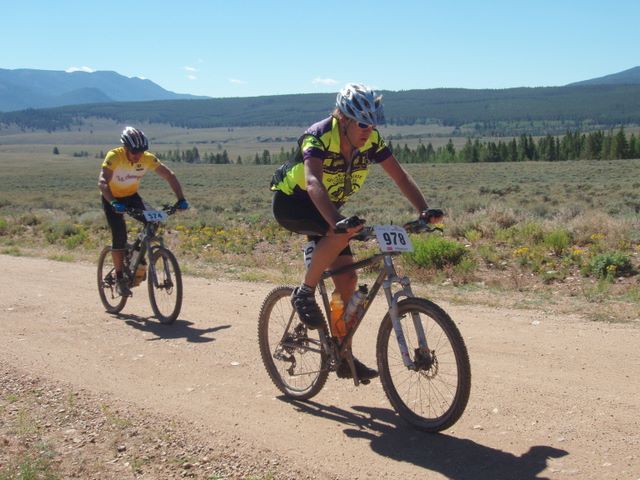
360 103
134 139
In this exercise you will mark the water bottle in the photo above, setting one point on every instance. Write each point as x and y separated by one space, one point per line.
141 274
135 252
356 301
337 315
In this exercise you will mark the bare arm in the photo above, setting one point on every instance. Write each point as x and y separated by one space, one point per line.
405 183
317 191
172 180
103 183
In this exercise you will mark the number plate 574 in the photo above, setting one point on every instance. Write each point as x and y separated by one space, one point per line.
155 215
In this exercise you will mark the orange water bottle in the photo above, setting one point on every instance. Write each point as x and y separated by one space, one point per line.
337 315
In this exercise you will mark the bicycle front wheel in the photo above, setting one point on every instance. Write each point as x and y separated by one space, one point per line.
291 353
111 299
433 394
165 285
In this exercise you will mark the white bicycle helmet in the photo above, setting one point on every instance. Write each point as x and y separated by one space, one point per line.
360 103
134 139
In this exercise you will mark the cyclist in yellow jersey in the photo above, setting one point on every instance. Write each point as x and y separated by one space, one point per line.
331 165
119 179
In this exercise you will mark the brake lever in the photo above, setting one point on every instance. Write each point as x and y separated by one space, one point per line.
346 223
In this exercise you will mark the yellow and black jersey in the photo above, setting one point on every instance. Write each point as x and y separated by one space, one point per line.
126 175
322 140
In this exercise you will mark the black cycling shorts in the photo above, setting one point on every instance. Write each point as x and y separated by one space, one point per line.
298 214
116 220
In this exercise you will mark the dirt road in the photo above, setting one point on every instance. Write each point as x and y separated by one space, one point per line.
552 396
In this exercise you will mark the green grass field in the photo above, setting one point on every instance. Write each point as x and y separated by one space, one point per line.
524 226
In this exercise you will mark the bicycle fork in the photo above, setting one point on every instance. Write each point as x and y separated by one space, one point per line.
153 272
392 300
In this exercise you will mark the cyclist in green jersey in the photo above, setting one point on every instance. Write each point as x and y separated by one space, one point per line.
331 165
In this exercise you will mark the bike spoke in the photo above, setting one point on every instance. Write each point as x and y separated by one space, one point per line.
291 353
432 394
113 303
165 285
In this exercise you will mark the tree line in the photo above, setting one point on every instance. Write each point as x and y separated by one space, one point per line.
598 145
192 155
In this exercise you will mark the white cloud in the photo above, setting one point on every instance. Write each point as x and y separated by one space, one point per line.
191 69
324 81
238 82
80 69
192 77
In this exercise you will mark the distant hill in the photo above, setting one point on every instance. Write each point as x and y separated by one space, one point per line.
27 88
626 77
511 111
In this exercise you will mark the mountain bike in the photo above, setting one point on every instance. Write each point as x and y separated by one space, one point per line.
146 257
425 373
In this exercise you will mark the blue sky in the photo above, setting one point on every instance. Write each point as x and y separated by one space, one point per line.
242 48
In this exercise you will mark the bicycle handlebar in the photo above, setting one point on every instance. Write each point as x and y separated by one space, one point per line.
423 224
138 213
417 226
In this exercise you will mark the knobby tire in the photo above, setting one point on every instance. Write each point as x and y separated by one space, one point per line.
299 373
112 301
169 286
432 398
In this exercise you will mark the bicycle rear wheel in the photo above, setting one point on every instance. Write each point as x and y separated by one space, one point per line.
291 353
433 396
111 299
164 283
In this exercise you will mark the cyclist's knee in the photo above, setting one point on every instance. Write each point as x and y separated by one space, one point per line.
341 239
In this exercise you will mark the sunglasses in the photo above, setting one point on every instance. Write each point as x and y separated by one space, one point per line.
364 126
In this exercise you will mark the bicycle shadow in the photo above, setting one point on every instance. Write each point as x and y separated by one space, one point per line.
178 329
455 458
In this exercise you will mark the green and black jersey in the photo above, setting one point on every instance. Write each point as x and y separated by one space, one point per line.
322 140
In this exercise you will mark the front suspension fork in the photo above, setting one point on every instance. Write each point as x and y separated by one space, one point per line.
392 300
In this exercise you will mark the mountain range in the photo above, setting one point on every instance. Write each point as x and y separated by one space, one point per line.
603 102
626 77
28 88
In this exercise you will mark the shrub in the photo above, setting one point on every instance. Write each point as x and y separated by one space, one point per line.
491 256
557 241
61 231
531 232
4 226
610 265
30 219
463 272
436 252
473 235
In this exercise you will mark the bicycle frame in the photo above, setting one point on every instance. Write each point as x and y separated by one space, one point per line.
149 241
428 388
385 279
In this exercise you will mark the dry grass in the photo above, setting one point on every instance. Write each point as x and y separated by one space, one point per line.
527 227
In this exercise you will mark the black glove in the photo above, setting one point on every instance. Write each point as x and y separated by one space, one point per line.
349 222
431 215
